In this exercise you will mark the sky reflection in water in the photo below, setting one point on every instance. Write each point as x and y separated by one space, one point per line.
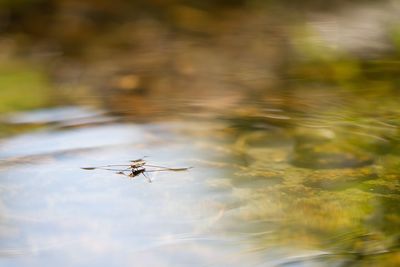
55 212
52 211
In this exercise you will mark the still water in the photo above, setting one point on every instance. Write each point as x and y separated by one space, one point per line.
262 191
290 120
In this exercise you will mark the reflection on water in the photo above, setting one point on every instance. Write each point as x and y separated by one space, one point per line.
246 202
293 133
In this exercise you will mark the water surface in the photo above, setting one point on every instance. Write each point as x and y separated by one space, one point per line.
293 136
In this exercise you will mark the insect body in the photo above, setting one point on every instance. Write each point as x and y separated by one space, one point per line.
135 168
137 163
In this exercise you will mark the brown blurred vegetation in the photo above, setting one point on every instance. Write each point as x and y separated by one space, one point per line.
151 56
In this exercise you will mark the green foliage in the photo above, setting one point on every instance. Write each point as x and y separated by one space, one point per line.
22 87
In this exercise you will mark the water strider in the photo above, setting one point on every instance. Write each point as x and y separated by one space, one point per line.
135 168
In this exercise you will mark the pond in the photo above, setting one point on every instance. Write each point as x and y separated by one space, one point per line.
294 163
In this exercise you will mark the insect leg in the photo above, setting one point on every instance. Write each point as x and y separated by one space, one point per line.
147 177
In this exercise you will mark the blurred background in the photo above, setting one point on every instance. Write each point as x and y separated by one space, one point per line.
289 112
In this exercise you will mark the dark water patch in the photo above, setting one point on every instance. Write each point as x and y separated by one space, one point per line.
386 217
329 155
381 189
312 160
257 181
339 179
